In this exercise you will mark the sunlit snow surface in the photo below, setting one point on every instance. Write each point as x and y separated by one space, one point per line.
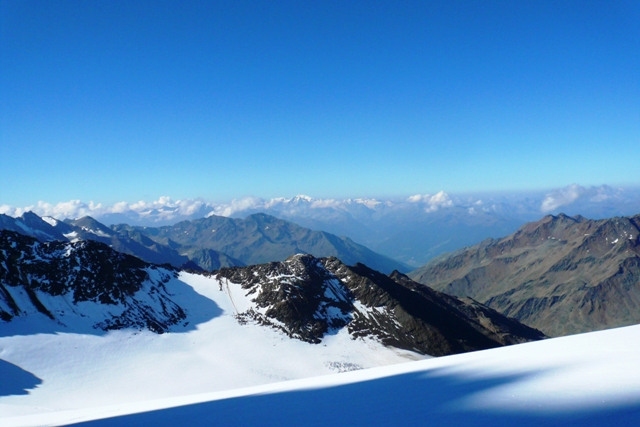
179 379
54 368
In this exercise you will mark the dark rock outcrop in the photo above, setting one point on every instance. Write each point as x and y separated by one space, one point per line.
307 298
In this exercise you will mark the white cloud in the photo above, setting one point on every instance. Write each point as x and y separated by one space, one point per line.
370 203
561 197
7 210
440 200
190 206
433 203
416 198
70 209
602 193
567 195
120 207
167 208
325 203
238 205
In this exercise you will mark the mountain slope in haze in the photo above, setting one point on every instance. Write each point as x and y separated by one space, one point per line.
84 285
44 229
307 298
410 231
121 238
257 239
261 238
131 241
137 244
562 275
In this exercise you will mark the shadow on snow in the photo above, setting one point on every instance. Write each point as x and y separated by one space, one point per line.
422 398
15 380
198 308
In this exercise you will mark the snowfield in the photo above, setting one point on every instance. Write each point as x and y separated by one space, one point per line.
75 367
226 374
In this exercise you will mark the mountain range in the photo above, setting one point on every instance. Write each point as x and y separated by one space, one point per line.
207 243
88 284
123 328
261 238
418 228
561 274
411 230
90 326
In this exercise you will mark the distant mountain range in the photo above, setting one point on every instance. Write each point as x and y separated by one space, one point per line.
562 275
207 243
411 230
260 238
416 229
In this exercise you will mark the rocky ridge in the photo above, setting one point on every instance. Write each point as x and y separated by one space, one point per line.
308 298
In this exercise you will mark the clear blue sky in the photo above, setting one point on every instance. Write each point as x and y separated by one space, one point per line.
129 100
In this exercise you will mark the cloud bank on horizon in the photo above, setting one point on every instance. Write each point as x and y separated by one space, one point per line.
166 210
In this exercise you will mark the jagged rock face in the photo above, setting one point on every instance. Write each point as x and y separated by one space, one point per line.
562 275
68 280
308 297
298 296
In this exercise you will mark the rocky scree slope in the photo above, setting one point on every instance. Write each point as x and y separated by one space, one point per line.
308 298
562 275
84 285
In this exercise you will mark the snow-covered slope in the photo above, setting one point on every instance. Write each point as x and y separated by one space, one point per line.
83 285
582 380
69 370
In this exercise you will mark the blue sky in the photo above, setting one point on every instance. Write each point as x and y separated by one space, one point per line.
122 100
